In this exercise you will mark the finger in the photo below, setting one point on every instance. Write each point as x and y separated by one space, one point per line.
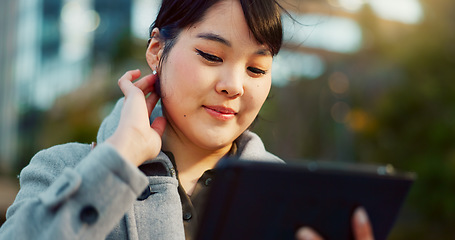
146 84
159 124
151 102
361 225
130 75
306 233
125 82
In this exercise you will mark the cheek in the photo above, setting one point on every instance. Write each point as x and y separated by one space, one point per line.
260 91
255 99
178 77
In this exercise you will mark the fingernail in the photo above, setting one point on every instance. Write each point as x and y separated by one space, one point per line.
361 215
305 233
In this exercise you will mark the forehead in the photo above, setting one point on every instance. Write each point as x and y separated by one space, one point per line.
225 19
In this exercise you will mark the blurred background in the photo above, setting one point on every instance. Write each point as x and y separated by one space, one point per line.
359 81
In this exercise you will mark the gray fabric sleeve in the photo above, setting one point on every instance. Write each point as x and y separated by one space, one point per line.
70 192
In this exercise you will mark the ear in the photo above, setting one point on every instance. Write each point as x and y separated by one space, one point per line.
154 49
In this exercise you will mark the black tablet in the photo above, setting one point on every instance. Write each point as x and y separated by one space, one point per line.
257 200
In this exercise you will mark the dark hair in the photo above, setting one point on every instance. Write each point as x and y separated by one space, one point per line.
263 18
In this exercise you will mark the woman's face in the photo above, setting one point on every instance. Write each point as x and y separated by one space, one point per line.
215 79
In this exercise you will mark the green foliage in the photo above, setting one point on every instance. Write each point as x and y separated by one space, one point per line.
402 87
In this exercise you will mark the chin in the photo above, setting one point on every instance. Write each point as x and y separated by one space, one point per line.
217 145
214 143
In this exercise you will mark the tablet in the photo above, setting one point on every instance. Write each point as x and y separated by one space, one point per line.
258 200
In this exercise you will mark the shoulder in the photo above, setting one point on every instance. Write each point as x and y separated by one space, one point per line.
45 167
251 148
53 160
68 154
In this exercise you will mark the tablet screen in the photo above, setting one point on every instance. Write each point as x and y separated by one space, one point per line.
256 200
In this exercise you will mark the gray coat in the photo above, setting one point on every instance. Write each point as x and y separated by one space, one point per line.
73 192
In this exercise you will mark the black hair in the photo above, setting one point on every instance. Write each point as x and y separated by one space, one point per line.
263 18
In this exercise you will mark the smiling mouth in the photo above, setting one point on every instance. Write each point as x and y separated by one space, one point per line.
220 112
221 109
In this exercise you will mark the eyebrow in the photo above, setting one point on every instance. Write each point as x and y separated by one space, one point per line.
264 52
220 39
214 37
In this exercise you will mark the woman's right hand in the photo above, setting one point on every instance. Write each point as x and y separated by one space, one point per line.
135 139
360 223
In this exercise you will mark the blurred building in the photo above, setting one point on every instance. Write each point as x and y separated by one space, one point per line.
114 26
8 111
47 50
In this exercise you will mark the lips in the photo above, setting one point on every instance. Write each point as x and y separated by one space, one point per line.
221 109
220 112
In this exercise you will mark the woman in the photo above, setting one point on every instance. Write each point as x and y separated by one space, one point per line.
213 59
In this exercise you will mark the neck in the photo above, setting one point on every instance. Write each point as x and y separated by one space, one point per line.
190 158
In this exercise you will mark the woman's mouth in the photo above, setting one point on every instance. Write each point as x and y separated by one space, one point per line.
220 112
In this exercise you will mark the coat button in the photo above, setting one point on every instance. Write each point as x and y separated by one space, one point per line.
88 214
145 194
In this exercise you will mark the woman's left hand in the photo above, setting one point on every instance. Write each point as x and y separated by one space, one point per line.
135 139
360 225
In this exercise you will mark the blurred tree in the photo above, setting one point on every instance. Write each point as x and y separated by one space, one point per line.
400 98
414 120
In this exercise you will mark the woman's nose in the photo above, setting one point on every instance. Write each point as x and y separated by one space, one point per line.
230 85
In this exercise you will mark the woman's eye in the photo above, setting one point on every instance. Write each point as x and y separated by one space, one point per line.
209 57
256 71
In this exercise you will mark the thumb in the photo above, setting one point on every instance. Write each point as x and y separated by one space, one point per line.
361 225
159 124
